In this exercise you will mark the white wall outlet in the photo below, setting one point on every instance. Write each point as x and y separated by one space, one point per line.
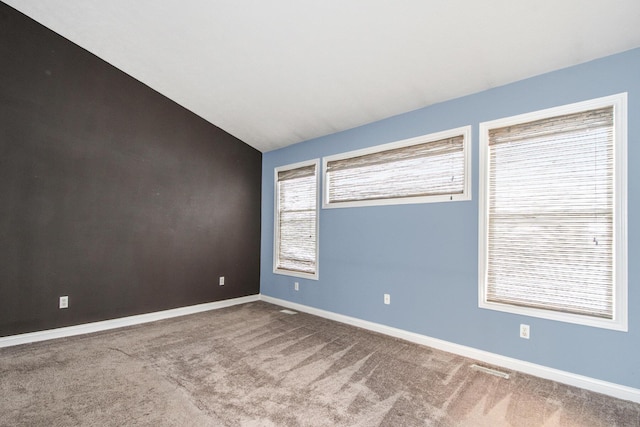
221 281
64 302
525 331
387 299
296 286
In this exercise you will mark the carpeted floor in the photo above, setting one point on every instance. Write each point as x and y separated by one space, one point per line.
251 365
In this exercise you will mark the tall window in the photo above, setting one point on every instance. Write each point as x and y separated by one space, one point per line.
553 214
296 220
428 168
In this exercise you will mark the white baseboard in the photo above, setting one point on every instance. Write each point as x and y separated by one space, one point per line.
120 322
587 383
592 384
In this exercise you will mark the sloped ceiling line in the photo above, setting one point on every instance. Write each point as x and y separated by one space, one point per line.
280 72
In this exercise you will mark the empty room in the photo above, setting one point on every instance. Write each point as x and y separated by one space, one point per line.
305 213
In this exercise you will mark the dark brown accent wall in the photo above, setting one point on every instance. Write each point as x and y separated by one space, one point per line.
111 193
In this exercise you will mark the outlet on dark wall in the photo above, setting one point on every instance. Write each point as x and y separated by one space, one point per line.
111 193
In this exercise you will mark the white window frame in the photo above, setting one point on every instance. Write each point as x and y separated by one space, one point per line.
276 240
620 262
465 131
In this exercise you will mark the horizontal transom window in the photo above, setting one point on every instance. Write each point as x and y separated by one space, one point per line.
428 168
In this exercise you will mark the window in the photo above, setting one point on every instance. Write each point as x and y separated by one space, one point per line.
296 222
428 168
553 214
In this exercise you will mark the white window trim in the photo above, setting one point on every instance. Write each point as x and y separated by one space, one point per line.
276 242
466 194
620 301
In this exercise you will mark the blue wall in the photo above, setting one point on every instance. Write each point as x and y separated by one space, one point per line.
426 255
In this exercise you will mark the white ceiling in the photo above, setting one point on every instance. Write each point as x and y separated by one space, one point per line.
274 73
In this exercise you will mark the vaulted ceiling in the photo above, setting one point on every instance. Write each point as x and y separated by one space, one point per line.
274 73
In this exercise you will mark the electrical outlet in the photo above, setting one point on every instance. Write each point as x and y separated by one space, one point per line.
296 286
64 302
387 299
525 331
221 281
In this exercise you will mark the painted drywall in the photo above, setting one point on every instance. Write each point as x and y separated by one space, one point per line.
426 255
110 193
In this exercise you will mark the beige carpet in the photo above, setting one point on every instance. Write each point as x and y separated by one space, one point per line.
252 365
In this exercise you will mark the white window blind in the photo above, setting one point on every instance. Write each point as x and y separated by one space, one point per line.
296 220
409 171
550 213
